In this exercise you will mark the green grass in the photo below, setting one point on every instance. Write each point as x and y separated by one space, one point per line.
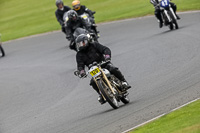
19 18
184 120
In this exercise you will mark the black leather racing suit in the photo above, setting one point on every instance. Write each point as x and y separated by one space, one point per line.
59 15
94 53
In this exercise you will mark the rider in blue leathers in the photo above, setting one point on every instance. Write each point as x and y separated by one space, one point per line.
158 12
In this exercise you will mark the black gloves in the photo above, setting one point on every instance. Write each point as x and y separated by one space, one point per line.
107 57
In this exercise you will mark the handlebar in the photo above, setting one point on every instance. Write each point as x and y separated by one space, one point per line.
77 72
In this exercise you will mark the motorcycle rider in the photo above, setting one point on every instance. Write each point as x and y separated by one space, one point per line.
1 48
74 22
61 9
81 9
90 52
158 11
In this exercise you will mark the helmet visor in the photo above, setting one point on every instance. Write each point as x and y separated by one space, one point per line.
81 45
77 7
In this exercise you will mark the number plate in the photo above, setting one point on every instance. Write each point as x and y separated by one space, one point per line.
66 19
84 16
164 3
94 72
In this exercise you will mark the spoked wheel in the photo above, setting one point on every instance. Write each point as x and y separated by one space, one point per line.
175 23
108 95
2 51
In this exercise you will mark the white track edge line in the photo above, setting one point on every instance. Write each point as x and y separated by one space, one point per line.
160 116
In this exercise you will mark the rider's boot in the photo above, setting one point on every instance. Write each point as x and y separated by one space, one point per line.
125 85
160 24
178 17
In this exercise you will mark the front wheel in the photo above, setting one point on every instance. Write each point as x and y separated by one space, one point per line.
107 94
174 20
2 51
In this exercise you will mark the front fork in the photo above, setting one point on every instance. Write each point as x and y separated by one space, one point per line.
107 81
167 15
172 11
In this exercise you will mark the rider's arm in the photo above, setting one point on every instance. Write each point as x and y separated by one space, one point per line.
88 11
80 62
102 49
59 19
154 2
69 33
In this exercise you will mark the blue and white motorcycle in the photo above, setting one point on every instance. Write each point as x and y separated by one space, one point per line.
168 15
1 48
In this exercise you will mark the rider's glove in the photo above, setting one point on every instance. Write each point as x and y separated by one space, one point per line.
107 57
82 73
63 24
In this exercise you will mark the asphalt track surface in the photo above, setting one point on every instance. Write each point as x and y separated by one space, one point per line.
40 94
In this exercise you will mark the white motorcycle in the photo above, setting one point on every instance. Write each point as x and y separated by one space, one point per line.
168 15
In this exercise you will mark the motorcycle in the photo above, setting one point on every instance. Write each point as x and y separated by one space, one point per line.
78 30
109 86
2 51
91 36
1 48
168 15
85 17
90 21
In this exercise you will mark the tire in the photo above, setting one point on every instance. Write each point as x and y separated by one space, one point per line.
2 51
125 99
171 27
174 20
105 90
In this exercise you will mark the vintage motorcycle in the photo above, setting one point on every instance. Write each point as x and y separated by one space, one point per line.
2 51
85 18
90 20
168 15
109 86
91 36
1 48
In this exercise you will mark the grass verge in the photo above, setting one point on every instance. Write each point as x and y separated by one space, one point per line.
23 18
184 120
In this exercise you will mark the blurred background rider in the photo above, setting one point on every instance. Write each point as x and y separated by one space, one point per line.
61 9
158 11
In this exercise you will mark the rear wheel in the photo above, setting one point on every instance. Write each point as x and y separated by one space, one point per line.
108 94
